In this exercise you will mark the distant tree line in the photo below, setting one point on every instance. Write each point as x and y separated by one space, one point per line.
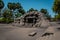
16 10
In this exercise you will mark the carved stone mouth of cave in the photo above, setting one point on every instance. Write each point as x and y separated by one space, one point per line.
47 34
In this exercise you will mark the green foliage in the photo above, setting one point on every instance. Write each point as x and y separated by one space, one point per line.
32 9
18 6
18 15
13 6
44 11
56 6
46 14
7 16
36 10
21 11
1 20
56 9
57 17
7 20
1 4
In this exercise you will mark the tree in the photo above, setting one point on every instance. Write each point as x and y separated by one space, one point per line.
57 17
18 15
22 11
14 6
30 10
44 11
56 8
1 6
10 6
7 16
18 6
36 10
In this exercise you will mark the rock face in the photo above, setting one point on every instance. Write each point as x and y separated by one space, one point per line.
34 18
33 34
49 34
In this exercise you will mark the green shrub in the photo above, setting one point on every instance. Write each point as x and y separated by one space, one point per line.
7 20
1 19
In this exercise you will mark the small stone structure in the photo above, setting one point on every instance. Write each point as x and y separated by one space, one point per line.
31 18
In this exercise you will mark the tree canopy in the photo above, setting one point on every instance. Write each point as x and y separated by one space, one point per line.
32 9
22 11
44 11
56 9
1 4
13 6
7 14
56 6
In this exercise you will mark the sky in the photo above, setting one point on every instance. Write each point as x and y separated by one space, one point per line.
36 4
